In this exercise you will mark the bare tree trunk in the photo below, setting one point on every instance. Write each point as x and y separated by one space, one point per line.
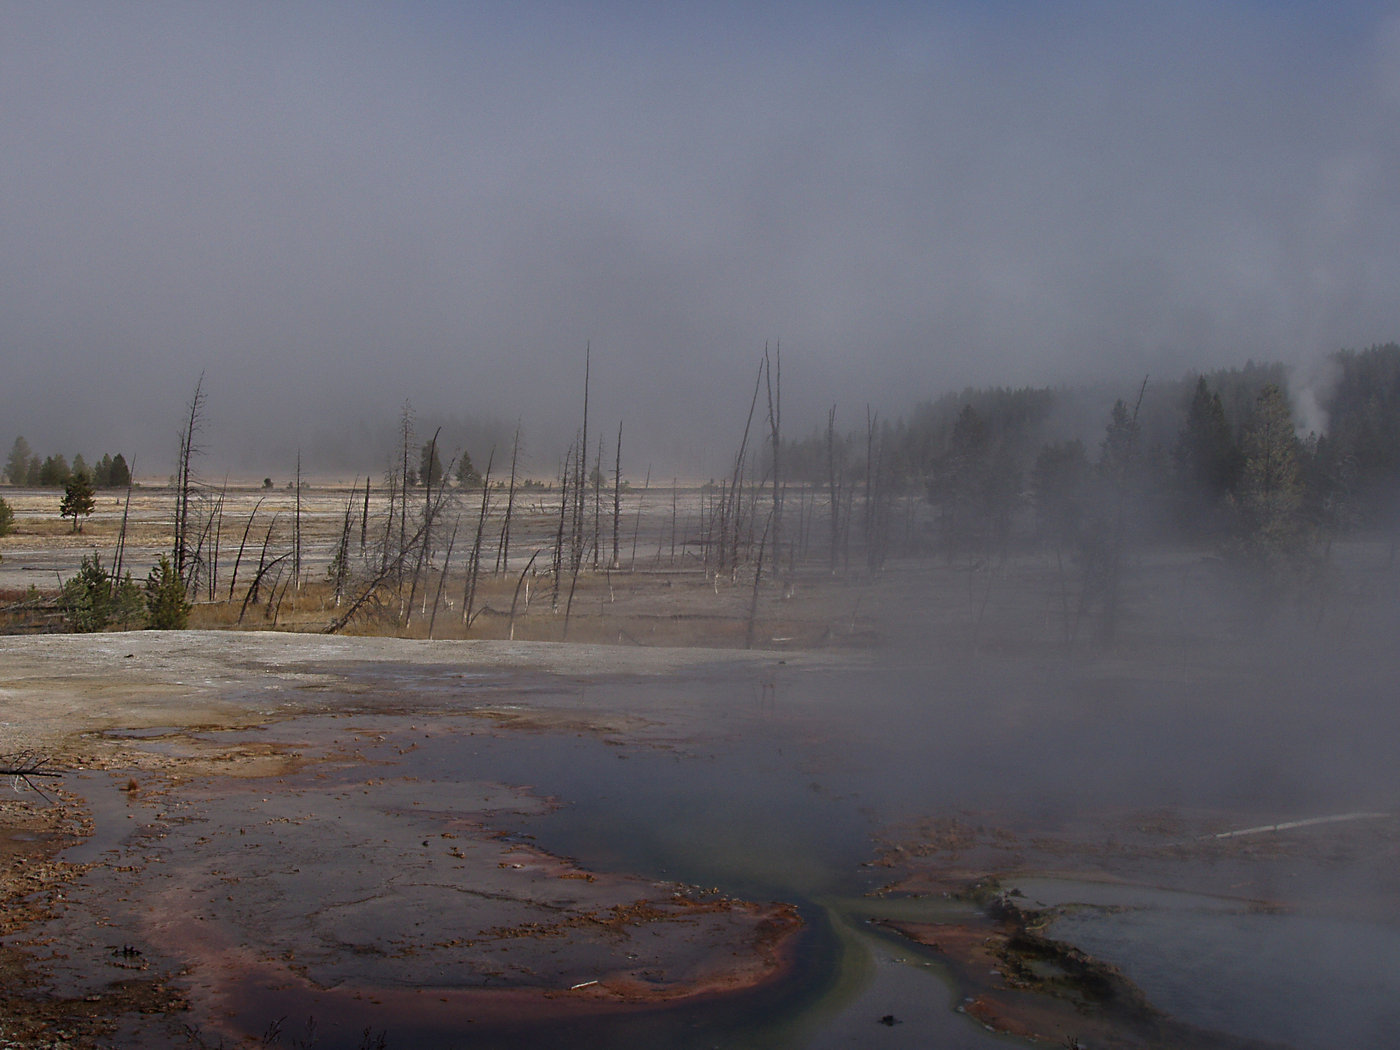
366 594
731 507
389 521
197 560
474 567
426 532
597 480
121 536
564 503
835 487
773 379
757 577
252 597
722 530
446 564
617 496
637 522
850 497
342 554
185 477
275 600
868 517
578 558
296 530
264 567
581 468
503 554
515 598
406 433
218 536
243 543
364 514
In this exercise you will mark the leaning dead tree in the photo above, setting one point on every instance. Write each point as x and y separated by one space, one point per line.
374 589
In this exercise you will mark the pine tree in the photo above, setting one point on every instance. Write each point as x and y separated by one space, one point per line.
1119 441
1206 459
429 466
119 477
1060 489
78 499
166 606
55 472
467 475
1271 490
17 465
86 598
1205 453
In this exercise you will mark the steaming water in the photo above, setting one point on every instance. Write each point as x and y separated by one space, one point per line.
1301 979
776 789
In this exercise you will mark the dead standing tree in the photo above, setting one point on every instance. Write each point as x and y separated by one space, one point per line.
205 557
216 540
578 505
185 483
423 539
597 480
264 566
340 567
617 499
242 544
731 521
442 577
564 503
121 535
835 483
773 380
637 522
296 531
474 565
503 550
406 433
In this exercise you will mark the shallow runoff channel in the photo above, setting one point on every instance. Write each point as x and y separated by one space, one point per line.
760 780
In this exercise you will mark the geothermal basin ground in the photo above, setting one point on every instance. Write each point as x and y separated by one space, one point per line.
280 839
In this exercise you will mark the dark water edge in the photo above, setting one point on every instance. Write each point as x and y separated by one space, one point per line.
783 798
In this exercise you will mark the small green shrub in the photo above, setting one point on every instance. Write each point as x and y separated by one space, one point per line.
86 597
166 607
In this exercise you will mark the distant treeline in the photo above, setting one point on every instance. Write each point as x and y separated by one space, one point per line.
24 467
1206 456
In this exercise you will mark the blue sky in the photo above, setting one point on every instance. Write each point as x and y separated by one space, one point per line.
331 208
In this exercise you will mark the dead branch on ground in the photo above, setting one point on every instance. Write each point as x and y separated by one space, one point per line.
25 765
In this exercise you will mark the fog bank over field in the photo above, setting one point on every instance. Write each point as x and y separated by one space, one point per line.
332 210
